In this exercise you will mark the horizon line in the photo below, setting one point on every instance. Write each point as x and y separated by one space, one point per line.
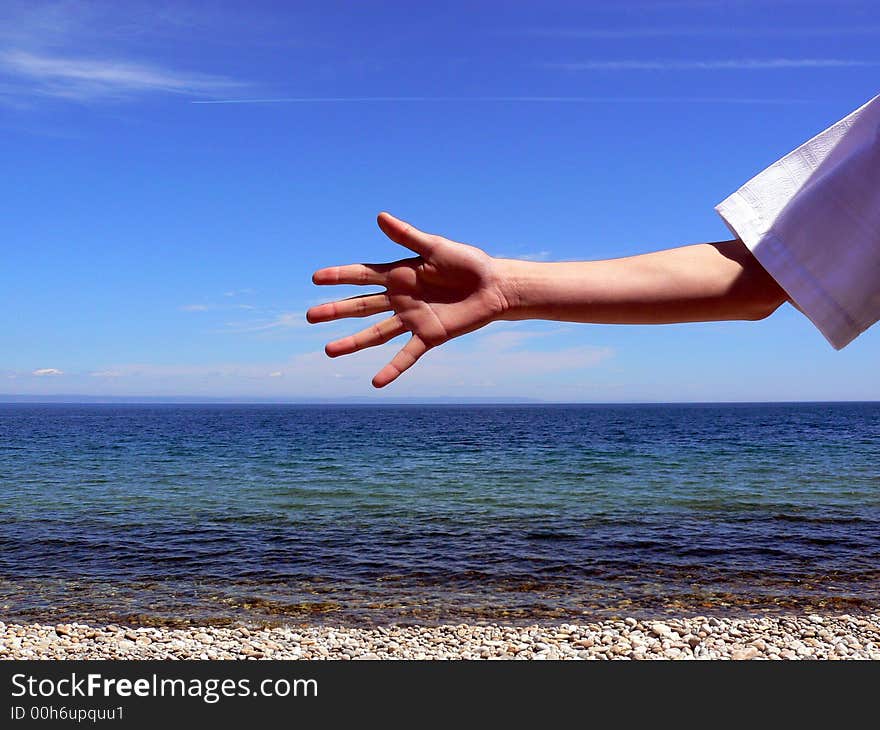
8 399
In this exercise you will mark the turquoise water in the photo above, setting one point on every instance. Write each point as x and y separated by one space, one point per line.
173 514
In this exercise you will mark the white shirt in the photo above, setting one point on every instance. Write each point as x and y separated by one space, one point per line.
812 219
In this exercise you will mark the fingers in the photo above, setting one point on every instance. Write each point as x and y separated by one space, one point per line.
362 306
406 235
401 362
376 334
366 274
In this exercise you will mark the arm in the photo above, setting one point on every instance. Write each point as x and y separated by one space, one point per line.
449 289
699 283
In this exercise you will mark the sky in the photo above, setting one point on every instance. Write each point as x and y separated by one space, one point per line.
174 172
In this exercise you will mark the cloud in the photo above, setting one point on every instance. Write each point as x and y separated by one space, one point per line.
505 99
531 256
535 256
284 321
77 50
214 307
29 23
43 372
500 357
723 5
659 31
87 79
736 64
504 360
500 341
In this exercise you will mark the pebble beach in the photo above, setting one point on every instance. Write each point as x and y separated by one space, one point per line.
773 637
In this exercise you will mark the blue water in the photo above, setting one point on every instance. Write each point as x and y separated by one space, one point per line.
175 514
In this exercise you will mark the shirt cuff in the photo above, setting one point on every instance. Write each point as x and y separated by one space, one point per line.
781 262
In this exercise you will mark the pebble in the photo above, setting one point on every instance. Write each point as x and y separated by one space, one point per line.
812 636
748 653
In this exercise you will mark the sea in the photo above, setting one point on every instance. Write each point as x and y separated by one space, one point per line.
423 514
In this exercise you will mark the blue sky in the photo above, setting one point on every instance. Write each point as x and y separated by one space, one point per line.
152 245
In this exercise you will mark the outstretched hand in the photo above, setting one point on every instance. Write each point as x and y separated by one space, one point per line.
447 290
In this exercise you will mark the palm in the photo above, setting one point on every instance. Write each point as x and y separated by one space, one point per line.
446 291
449 296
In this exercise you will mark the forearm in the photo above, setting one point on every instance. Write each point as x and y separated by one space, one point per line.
700 283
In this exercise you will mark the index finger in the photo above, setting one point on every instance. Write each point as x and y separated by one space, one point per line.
365 274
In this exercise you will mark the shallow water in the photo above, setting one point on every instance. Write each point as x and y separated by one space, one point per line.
176 514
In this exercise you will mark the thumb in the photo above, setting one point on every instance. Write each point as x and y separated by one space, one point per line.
406 235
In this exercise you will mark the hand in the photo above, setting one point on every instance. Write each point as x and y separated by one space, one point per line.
447 290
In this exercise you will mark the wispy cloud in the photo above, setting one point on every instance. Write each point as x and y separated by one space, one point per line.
735 64
87 79
32 24
224 306
285 320
495 361
508 99
47 372
78 50
725 5
659 31
529 256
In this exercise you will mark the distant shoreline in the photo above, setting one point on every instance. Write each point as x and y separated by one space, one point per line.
380 401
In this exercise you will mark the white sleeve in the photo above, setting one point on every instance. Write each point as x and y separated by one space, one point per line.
812 219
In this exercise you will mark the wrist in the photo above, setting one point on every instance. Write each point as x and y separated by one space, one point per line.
512 282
